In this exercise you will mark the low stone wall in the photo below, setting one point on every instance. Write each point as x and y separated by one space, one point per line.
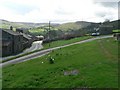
117 36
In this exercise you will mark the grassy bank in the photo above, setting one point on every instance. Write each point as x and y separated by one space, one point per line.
64 42
52 44
95 64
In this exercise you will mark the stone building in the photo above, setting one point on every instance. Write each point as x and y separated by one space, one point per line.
13 42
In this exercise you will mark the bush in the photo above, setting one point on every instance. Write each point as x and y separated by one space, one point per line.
51 60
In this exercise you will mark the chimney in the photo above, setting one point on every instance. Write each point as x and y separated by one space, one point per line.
11 28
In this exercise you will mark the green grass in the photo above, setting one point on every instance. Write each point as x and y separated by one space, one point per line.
96 62
116 31
65 42
41 30
36 30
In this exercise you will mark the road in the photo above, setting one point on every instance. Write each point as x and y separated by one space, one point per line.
35 46
44 52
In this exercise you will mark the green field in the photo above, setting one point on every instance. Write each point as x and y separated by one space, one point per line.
64 42
41 30
116 31
96 64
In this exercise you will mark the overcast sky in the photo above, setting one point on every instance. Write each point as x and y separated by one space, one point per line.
59 11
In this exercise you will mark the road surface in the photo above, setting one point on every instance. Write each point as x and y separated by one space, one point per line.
35 46
44 52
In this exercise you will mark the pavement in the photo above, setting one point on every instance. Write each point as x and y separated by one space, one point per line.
44 52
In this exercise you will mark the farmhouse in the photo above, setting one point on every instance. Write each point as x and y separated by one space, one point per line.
27 40
13 42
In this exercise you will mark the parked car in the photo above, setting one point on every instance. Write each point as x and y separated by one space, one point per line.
95 34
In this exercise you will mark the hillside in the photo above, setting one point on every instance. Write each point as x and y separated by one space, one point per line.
73 25
76 66
70 27
115 24
6 24
65 26
88 25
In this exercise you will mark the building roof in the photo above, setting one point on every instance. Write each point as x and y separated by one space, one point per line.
10 31
40 36
26 36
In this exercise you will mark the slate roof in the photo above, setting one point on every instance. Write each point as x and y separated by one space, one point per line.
16 33
10 31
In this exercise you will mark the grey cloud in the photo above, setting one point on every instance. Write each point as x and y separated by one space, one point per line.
105 14
108 4
100 14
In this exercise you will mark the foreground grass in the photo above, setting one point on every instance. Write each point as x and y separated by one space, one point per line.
96 63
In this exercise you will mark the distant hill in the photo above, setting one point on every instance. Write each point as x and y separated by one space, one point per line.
39 27
74 25
65 26
6 24
115 24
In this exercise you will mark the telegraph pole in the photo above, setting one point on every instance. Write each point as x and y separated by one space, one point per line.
49 34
